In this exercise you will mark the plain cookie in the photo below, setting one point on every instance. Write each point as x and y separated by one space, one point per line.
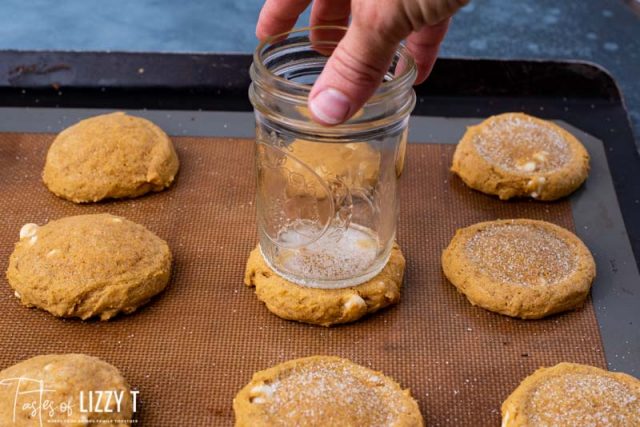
521 268
304 112
571 394
62 378
516 155
324 391
88 265
325 307
355 165
108 157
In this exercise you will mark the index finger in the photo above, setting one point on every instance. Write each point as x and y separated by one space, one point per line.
279 16
424 45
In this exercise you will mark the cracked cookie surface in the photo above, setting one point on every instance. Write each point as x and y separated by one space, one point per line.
88 265
110 156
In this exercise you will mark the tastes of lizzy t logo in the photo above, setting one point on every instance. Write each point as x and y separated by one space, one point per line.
33 400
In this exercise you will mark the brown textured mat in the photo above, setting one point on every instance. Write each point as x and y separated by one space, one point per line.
198 343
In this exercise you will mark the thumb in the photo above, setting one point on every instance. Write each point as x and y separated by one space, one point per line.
352 74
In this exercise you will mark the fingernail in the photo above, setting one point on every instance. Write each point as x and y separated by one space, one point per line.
331 106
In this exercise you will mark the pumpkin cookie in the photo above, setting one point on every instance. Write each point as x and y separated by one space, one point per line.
108 157
516 155
325 307
324 391
88 265
304 111
58 379
574 395
355 165
521 268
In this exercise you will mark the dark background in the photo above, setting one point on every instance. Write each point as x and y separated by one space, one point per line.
606 32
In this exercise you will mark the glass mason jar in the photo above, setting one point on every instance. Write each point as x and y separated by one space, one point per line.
326 196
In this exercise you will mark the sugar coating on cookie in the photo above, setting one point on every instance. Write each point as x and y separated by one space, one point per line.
110 156
88 265
519 144
521 254
574 394
516 155
57 379
522 268
324 390
325 307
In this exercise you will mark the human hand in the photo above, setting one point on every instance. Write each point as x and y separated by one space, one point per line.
363 56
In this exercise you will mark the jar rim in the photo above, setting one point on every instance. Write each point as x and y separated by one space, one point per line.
408 73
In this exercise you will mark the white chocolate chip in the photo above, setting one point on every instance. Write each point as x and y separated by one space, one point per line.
114 219
353 302
536 185
528 167
28 230
262 392
541 156
17 294
505 419
53 252
33 239
375 380
264 389
48 367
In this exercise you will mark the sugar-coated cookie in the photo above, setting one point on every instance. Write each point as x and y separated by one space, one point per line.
325 307
521 267
88 265
516 155
108 157
570 394
58 390
324 391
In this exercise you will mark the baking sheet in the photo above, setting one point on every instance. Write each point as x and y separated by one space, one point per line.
595 207
192 348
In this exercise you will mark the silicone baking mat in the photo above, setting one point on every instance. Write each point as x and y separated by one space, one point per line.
194 346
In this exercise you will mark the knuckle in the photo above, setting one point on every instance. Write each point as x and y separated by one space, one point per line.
434 12
383 20
357 71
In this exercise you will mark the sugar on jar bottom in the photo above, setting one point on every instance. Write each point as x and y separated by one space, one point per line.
339 258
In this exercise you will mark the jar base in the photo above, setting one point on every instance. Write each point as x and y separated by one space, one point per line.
329 284
325 307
